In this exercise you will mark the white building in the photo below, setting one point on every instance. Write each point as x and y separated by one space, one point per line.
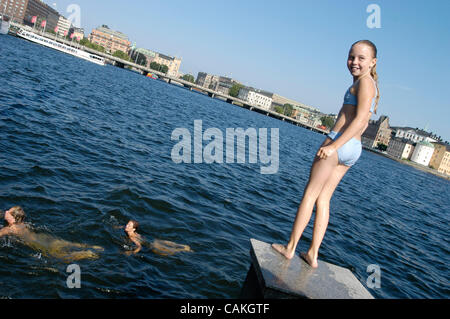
256 97
63 26
414 135
409 148
422 153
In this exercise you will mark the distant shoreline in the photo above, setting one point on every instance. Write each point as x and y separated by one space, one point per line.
410 163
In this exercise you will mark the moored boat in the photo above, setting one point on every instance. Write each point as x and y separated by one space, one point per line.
36 38
152 76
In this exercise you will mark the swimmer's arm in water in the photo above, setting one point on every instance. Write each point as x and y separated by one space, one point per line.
137 242
5 231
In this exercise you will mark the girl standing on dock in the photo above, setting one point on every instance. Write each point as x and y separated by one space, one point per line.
340 150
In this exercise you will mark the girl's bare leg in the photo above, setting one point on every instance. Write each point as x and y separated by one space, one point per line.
323 213
78 245
320 172
79 255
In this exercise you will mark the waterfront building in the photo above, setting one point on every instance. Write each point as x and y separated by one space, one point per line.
308 119
400 148
43 12
14 9
224 84
444 167
281 100
414 134
306 114
422 153
256 97
312 119
217 83
173 63
438 158
377 132
22 11
206 80
77 33
111 40
64 26
149 55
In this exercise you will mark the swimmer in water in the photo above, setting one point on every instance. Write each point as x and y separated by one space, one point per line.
161 247
46 244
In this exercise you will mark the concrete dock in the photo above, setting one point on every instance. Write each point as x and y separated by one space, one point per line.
271 275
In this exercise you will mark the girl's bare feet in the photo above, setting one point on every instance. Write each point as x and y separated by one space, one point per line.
284 250
310 259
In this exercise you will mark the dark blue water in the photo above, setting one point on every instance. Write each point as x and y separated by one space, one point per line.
84 148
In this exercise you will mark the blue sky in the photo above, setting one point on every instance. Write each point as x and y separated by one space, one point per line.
297 48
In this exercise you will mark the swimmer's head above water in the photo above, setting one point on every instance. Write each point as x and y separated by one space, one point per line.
131 227
15 215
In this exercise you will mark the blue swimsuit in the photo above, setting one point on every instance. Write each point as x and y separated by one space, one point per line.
350 152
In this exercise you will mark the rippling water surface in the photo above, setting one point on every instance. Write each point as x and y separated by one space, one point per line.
84 148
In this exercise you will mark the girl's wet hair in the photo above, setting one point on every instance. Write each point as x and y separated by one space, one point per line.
373 71
18 213
135 224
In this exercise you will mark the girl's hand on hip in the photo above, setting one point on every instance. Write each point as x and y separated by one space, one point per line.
326 151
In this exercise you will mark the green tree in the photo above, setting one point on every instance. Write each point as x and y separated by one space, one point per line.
164 69
327 121
85 42
141 59
98 48
138 58
234 90
288 108
382 147
155 66
279 109
188 77
121 55
159 67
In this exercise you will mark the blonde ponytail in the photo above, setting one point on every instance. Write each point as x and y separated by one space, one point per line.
374 74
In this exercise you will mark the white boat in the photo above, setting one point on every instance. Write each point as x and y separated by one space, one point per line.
33 37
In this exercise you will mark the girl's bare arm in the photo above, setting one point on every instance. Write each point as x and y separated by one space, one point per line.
5 231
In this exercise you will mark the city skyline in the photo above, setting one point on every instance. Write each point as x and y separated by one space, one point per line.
298 49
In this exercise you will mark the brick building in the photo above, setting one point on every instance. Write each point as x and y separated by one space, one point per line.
440 159
111 40
22 11
14 9
43 12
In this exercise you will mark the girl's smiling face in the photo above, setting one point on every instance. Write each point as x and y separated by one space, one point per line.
360 60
